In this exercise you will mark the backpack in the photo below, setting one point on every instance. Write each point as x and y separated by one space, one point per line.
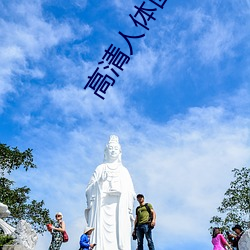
149 212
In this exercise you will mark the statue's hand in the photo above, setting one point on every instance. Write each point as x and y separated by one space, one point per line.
132 217
104 176
90 202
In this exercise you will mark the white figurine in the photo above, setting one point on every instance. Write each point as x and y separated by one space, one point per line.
24 236
110 198
244 242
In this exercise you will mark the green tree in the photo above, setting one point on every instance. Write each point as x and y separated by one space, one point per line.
17 199
235 207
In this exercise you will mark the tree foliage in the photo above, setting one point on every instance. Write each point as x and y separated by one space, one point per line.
6 239
17 199
235 206
12 159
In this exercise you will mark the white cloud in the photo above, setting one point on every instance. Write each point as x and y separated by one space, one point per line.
32 33
198 33
124 8
25 35
198 19
239 101
80 3
217 42
73 101
243 6
141 68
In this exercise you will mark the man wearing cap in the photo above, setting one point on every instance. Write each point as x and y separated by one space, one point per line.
84 240
143 224
239 231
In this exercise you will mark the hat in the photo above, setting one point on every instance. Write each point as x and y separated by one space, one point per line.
140 195
87 229
237 227
59 213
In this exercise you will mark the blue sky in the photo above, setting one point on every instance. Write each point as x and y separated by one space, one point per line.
180 106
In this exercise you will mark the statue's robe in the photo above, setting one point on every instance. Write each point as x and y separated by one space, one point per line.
110 197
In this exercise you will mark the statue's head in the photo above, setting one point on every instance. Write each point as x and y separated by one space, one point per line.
113 150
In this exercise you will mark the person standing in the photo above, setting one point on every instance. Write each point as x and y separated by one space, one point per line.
144 223
85 239
56 231
218 240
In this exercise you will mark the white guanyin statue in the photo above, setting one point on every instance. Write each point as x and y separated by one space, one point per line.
244 242
110 197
